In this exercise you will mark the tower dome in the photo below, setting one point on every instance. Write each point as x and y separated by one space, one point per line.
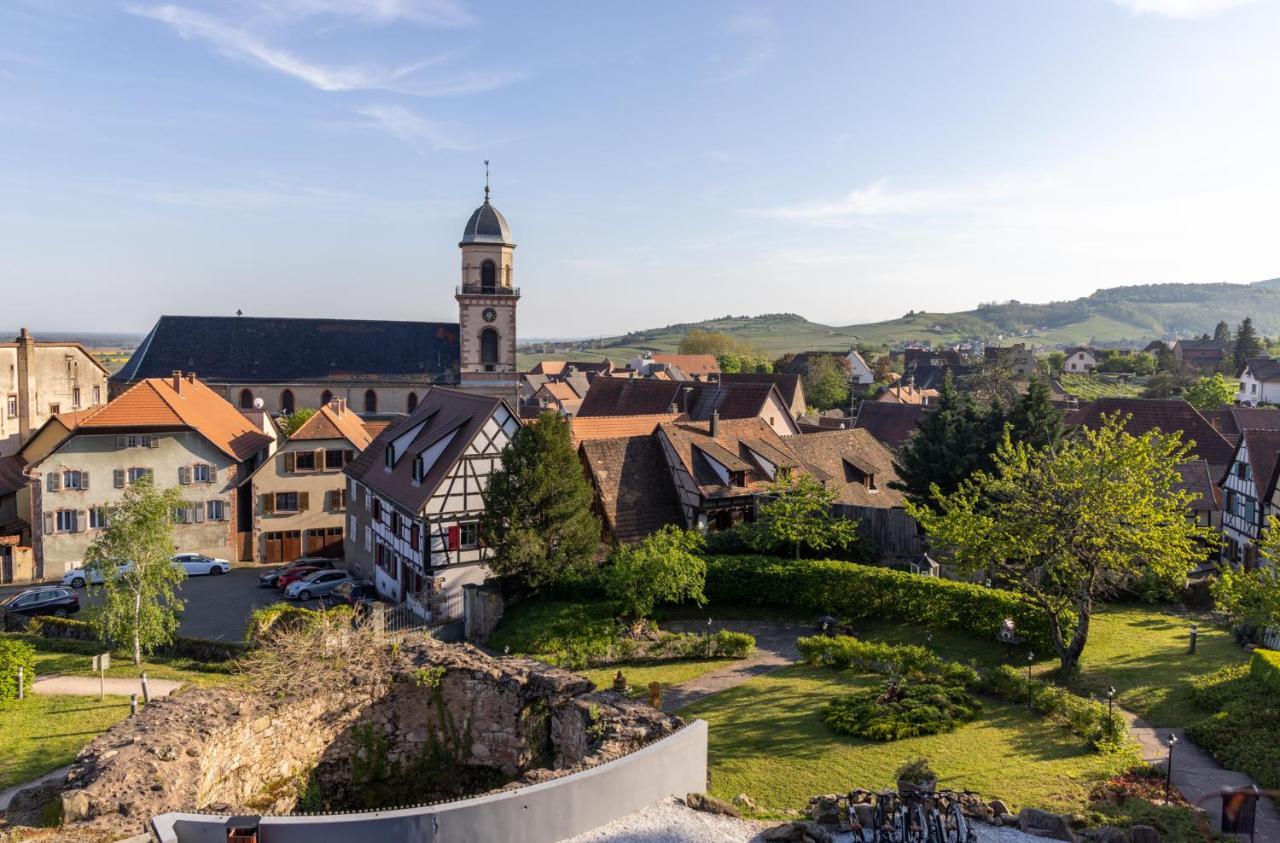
487 225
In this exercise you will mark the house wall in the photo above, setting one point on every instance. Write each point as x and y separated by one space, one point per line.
859 371
1242 513
1253 391
391 398
778 415
40 377
98 455
1081 361
323 512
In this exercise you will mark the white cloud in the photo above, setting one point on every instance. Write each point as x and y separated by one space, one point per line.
409 126
1181 8
879 200
447 13
245 46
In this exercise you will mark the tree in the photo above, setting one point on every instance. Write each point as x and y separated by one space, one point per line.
882 370
950 443
289 424
799 515
1057 360
1222 333
826 382
780 364
139 606
1167 385
730 362
1247 344
1211 393
1252 598
1034 420
537 508
1069 525
663 568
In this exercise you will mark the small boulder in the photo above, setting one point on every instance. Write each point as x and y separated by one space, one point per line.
825 810
1044 824
797 832
866 814
710 805
1110 834
744 802
1143 834
998 807
1009 819
75 806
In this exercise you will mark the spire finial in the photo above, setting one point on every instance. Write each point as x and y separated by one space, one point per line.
486 181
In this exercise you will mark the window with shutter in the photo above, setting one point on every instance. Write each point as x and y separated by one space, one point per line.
304 501
54 481
198 510
50 526
84 480
82 520
455 533
184 475
117 478
268 504
289 461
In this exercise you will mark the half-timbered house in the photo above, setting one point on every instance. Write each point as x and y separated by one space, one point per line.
414 497
1247 488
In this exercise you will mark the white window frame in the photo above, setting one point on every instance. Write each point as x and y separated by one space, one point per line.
70 475
59 515
279 509
134 474
201 473
216 510
98 518
463 528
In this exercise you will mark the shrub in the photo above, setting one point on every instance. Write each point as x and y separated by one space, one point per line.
856 592
16 654
844 651
1241 727
53 627
902 711
1264 668
1086 718
282 618
916 771
734 645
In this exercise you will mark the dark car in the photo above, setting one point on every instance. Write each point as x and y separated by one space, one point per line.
272 577
358 594
42 601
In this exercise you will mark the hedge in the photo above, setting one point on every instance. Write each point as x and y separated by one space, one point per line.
856 592
843 651
15 654
1087 718
1264 668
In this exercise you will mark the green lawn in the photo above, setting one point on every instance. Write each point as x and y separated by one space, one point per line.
1089 387
768 740
179 670
640 674
42 733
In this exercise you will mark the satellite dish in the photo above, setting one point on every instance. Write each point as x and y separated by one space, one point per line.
257 403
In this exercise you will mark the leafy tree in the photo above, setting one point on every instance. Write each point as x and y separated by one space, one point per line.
730 362
1034 420
882 369
1222 332
950 443
799 515
826 381
1067 526
664 568
537 514
780 364
1252 598
289 424
1247 343
702 341
139 606
1211 393
1167 384
1057 361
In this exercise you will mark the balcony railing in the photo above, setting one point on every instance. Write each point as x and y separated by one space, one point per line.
485 290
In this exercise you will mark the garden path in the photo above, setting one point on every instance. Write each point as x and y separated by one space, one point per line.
775 648
89 686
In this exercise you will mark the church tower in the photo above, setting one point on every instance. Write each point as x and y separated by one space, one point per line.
487 301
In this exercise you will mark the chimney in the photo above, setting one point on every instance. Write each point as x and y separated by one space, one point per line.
715 423
191 377
337 405
177 381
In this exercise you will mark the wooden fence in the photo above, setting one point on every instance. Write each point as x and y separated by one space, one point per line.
895 533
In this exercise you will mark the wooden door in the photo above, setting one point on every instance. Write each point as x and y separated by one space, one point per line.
292 545
274 550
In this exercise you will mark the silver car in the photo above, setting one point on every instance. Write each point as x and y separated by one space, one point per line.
80 577
316 584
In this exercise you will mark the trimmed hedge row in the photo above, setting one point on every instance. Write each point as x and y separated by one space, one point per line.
1264 668
1087 718
856 592
844 651
13 655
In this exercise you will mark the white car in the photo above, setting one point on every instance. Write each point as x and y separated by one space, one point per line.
79 577
315 584
195 564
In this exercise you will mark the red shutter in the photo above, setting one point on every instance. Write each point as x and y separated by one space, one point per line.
455 537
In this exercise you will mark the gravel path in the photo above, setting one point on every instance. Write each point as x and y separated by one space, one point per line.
85 686
775 648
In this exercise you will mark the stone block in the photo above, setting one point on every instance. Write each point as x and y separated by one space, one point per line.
1044 824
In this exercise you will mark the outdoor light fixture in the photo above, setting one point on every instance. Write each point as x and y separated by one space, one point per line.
1195 632
1031 656
1168 773
1111 698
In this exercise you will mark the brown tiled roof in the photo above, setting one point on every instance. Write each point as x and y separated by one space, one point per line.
633 484
373 428
614 397
560 391
1229 421
11 477
831 450
441 412
1264 451
693 365
1196 480
329 423
890 424
1166 416
585 428
693 445
789 386
154 403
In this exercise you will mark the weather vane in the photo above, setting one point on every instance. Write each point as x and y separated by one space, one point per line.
486 179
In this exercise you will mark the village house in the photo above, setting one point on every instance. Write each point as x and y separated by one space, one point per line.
1017 359
905 390
852 361
790 388
1201 355
175 431
1247 490
681 367
40 379
1259 379
891 424
1080 360
697 400
301 492
414 498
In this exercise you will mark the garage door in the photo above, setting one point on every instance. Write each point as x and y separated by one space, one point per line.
284 546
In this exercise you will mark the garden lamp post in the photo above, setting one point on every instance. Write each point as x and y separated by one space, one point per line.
1111 699
1031 656
1195 632
1168 773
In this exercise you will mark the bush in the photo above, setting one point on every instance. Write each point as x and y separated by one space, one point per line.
734 645
856 592
1264 668
902 711
16 654
843 651
48 626
203 650
1086 718
1242 724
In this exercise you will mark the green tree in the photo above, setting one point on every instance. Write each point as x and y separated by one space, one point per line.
1222 332
826 382
289 424
139 605
730 362
1252 598
781 363
1069 525
1211 393
663 568
1057 360
799 515
537 508
1034 420
950 443
1247 343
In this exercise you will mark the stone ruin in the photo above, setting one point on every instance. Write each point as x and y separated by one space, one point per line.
430 721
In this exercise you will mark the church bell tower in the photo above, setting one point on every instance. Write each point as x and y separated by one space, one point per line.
487 299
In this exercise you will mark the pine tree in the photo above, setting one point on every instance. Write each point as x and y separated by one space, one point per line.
949 444
1034 421
1222 332
1247 344
537 519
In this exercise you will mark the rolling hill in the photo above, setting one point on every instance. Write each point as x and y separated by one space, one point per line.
1119 316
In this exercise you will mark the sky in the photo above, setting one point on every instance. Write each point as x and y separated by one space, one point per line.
658 162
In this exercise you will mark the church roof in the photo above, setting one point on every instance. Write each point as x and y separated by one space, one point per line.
487 225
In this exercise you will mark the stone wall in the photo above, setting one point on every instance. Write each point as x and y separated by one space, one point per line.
224 750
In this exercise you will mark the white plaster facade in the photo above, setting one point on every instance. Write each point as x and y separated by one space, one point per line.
41 379
1254 390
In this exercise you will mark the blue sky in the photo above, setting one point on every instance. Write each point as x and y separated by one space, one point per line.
658 161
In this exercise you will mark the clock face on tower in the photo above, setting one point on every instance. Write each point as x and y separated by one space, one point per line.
489 314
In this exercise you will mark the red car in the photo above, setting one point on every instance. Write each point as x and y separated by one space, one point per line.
295 574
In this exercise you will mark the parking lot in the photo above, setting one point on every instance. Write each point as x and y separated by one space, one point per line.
217 607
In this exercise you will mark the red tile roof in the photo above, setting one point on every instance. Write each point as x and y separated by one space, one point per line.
584 428
330 423
693 365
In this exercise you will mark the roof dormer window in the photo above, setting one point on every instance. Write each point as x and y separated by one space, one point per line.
417 469
389 457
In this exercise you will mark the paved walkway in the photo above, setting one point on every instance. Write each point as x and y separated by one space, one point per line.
6 796
86 686
775 648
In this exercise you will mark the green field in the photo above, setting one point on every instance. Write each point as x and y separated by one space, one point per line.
640 674
42 733
1090 387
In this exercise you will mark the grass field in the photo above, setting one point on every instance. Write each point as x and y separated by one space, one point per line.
1089 387
640 674
41 733
768 741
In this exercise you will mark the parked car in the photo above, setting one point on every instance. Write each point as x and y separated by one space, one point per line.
294 574
45 600
315 584
80 577
195 564
270 577
358 594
